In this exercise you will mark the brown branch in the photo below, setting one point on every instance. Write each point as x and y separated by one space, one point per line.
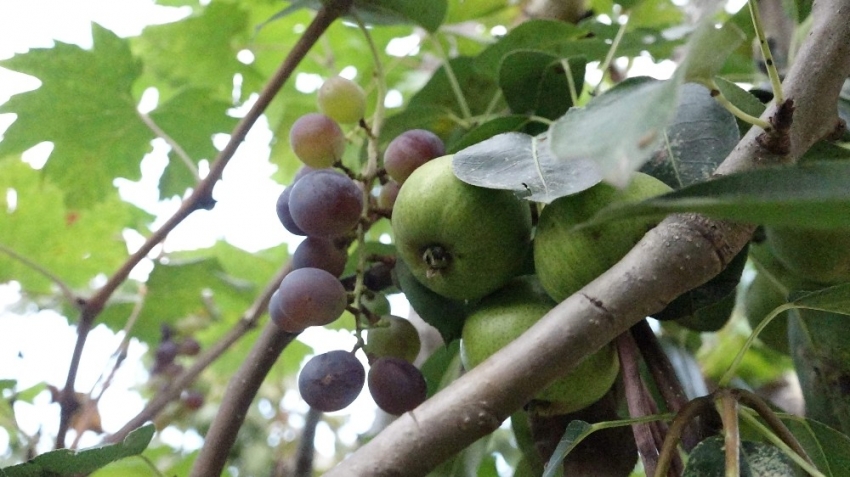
648 278
637 400
200 198
306 446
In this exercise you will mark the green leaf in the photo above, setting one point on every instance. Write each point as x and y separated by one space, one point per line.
73 245
478 90
428 15
67 462
575 433
190 118
744 100
697 140
828 448
442 367
446 315
535 82
708 49
618 130
85 107
198 52
708 459
811 195
834 299
519 162
502 124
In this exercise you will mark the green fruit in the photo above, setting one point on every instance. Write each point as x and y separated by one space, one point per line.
567 260
503 316
818 255
459 240
392 336
342 99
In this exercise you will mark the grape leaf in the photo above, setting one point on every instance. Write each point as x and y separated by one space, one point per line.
74 245
519 162
700 136
811 195
428 15
85 107
64 462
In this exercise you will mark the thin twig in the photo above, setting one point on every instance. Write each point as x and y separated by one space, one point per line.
306 446
69 294
175 146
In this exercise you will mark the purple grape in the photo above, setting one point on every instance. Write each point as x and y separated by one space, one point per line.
331 381
396 385
307 297
284 215
322 253
388 194
410 150
317 140
325 203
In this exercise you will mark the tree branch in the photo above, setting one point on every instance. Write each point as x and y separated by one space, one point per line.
201 197
683 252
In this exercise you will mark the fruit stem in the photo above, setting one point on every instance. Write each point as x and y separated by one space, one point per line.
730 373
737 112
727 407
772 73
610 56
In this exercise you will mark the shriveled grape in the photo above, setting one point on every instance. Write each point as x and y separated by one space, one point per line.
396 385
342 99
410 150
392 336
307 297
331 381
317 140
325 203
322 253
284 215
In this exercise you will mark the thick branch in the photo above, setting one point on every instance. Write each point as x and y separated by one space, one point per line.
680 254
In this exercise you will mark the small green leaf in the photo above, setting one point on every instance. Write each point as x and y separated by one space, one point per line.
811 195
575 433
708 49
66 462
519 162
618 130
835 299
744 100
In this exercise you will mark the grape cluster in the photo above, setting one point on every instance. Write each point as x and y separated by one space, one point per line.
328 203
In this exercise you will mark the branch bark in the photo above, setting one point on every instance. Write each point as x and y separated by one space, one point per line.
683 252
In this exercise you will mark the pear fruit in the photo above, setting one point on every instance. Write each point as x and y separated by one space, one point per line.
459 240
565 260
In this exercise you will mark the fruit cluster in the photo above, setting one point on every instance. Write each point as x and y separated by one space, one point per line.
332 206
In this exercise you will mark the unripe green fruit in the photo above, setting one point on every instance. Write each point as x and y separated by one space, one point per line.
818 255
392 336
342 99
504 315
459 240
567 260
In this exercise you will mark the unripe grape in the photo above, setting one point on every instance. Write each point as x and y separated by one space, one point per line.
317 140
342 99
307 297
325 203
331 381
410 150
392 336
396 385
322 253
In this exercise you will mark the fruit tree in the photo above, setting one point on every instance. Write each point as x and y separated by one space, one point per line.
506 238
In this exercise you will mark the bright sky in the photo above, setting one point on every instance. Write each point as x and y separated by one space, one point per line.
246 220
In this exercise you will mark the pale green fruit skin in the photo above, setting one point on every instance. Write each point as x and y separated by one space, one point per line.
565 260
342 99
503 316
392 336
486 233
818 255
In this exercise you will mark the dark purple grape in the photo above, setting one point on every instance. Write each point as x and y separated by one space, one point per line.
164 355
284 215
317 140
325 203
192 399
331 381
410 150
190 347
322 253
396 385
307 297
